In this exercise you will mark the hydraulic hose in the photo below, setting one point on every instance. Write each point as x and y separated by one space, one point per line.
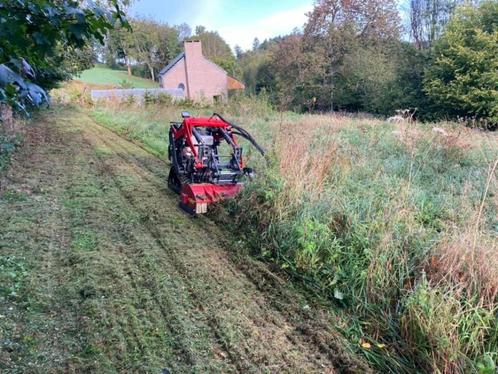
242 132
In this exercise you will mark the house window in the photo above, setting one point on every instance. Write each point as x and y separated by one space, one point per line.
181 86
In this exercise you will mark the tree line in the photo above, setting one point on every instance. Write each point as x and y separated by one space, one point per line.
350 56
355 56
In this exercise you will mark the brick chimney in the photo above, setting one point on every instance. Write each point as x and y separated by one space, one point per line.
193 49
193 63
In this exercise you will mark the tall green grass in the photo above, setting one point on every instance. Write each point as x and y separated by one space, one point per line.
396 223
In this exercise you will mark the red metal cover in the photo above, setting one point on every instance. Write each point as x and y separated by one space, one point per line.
207 193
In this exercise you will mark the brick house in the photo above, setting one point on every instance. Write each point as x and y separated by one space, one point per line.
198 77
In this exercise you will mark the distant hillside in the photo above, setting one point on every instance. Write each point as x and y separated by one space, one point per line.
103 75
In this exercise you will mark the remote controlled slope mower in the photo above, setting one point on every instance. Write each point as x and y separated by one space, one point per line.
200 173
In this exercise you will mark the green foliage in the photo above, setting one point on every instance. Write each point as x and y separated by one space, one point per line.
439 327
351 58
150 44
406 89
77 60
8 145
48 35
363 79
257 71
51 23
13 271
463 80
362 238
343 60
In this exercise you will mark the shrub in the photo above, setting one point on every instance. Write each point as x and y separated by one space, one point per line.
125 84
464 76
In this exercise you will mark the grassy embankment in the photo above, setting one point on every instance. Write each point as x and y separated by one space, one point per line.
398 223
102 75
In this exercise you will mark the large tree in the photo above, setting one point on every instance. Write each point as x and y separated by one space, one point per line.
428 19
153 44
149 43
38 36
463 79
342 56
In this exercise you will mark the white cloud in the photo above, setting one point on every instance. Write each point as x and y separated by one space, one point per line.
276 24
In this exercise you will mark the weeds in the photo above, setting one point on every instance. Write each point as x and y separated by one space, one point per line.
8 144
13 271
361 212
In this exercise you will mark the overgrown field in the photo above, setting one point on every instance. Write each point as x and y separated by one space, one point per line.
397 223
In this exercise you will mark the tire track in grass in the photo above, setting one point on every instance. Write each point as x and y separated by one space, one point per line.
117 317
172 270
111 308
211 320
167 307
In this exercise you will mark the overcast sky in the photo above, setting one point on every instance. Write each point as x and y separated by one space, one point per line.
237 21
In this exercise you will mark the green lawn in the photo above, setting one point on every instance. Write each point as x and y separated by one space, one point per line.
103 75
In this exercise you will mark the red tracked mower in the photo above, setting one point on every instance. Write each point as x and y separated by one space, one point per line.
199 172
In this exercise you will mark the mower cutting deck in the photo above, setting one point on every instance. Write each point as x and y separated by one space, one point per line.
199 173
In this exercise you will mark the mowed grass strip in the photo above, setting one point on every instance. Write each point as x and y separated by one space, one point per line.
247 326
86 292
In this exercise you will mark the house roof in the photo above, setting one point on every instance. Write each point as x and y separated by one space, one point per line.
172 63
234 84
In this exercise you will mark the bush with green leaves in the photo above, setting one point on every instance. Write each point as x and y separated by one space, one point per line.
8 145
463 79
38 37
